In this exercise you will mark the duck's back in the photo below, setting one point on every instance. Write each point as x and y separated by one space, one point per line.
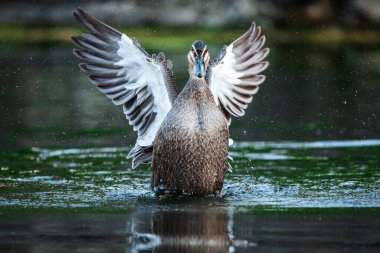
190 152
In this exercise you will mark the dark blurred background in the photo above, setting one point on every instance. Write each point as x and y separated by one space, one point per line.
272 13
322 83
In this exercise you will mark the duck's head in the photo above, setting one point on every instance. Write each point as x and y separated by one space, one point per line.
198 58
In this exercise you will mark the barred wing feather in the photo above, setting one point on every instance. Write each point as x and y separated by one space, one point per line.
123 71
234 75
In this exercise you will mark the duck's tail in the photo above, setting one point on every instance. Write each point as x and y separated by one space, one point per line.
140 154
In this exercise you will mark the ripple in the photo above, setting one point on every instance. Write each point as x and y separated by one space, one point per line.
45 153
303 145
261 156
282 174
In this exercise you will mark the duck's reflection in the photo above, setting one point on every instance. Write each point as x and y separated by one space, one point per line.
193 228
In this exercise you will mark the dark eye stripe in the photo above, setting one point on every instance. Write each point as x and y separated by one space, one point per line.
195 52
205 52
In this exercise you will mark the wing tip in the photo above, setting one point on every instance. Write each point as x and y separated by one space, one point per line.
84 18
82 12
140 154
78 41
266 65
263 78
258 30
82 67
77 53
253 27
95 26
78 14
75 40
264 39
251 35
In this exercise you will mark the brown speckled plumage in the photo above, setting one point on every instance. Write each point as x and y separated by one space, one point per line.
184 136
190 149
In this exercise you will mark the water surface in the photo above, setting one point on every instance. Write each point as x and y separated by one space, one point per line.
311 93
305 176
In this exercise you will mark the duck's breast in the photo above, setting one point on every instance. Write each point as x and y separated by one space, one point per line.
190 149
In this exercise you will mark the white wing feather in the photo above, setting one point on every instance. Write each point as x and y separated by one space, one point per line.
142 72
128 76
233 77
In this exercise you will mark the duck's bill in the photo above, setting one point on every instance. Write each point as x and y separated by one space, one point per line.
199 67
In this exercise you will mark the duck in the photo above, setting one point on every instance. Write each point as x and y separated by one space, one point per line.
183 135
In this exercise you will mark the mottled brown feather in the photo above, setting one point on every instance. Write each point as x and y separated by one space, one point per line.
191 148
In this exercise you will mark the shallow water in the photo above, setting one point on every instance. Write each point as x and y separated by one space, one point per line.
66 185
280 196
269 174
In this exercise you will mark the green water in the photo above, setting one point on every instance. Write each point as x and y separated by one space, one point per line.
305 178
271 176
280 196
313 195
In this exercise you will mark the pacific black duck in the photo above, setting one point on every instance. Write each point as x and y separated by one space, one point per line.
184 136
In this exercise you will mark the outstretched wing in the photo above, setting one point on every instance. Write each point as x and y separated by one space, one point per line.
234 75
129 76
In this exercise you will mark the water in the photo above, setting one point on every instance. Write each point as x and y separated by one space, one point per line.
280 196
311 93
305 163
